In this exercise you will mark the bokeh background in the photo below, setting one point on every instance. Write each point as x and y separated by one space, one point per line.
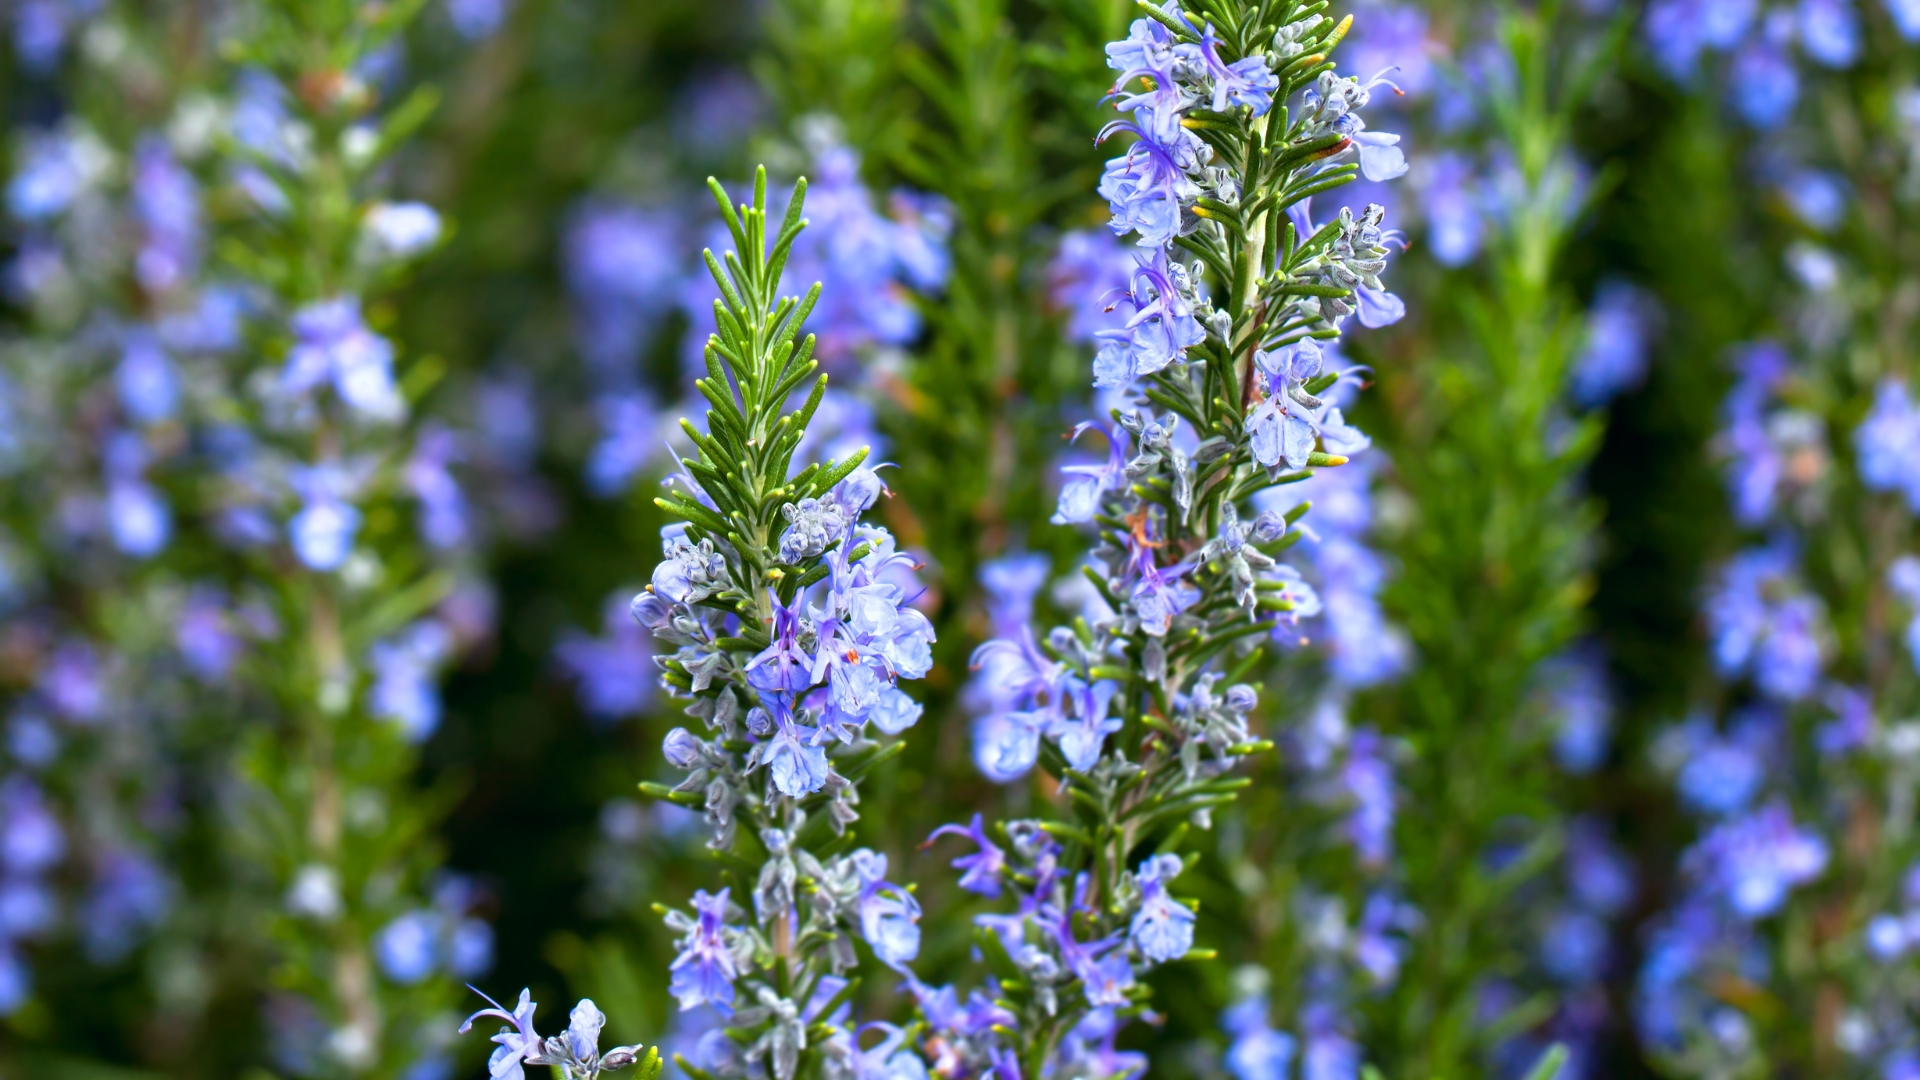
1607 206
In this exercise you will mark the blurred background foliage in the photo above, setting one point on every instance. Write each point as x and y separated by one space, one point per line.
1516 527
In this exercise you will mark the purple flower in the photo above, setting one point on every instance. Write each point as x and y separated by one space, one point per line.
705 968
166 201
1764 85
1244 82
74 684
1762 620
1162 929
1082 726
1080 495
404 671
889 915
31 840
796 762
1679 30
1829 32
148 387
1904 578
1454 218
1088 266
1393 37
1159 331
980 871
333 345
1888 443
1598 875
1753 861
1257 1051
1614 356
477 19
1366 778
130 895
443 506
1148 187
205 635
519 1043
622 265
1573 947
323 531
613 674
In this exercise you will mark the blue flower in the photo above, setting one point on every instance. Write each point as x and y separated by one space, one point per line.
428 475
518 1043
613 672
1082 725
166 202
1906 17
1088 266
1573 948
1764 84
1246 82
53 170
980 871
1903 576
1147 188
1160 330
404 672
147 384
1762 620
1754 861
1454 218
704 970
1147 52
1257 1051
623 266
1613 358
1162 929
333 345
1829 32
792 753
407 948
1080 495
889 915
1888 443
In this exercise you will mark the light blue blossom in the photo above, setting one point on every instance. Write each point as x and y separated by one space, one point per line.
147 384
1162 928
166 202
323 530
1763 621
1613 358
1148 188
709 960
1160 330
1257 1051
399 230
405 668
889 915
1754 861
1888 443
332 345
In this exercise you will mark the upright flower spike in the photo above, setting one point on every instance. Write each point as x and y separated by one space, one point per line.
787 630
1233 120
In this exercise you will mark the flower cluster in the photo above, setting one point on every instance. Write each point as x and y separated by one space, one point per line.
1210 346
1762 82
787 622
